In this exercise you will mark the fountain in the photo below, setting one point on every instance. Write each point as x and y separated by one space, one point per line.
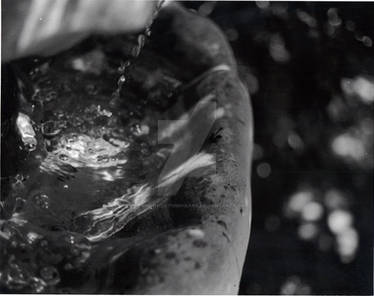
126 165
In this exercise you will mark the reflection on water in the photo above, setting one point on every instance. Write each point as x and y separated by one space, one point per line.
32 257
103 222
82 151
26 131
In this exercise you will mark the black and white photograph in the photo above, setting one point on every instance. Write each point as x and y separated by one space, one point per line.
162 147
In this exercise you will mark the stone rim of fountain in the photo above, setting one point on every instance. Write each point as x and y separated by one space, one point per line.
205 252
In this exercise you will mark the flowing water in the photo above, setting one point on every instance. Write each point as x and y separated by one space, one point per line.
80 162
83 155
83 165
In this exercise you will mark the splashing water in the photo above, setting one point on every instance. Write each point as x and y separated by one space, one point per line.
25 130
101 223
92 169
121 81
141 40
81 157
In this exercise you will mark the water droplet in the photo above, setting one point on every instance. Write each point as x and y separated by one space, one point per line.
141 40
148 31
30 146
121 80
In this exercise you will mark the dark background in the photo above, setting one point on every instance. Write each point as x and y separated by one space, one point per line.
309 68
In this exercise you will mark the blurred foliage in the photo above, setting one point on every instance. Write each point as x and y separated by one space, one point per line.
309 68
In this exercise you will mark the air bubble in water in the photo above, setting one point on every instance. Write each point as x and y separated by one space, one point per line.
50 275
19 179
63 157
72 138
38 285
30 146
50 96
50 128
92 89
103 158
41 201
16 278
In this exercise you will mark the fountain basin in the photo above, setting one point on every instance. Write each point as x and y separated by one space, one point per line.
188 231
